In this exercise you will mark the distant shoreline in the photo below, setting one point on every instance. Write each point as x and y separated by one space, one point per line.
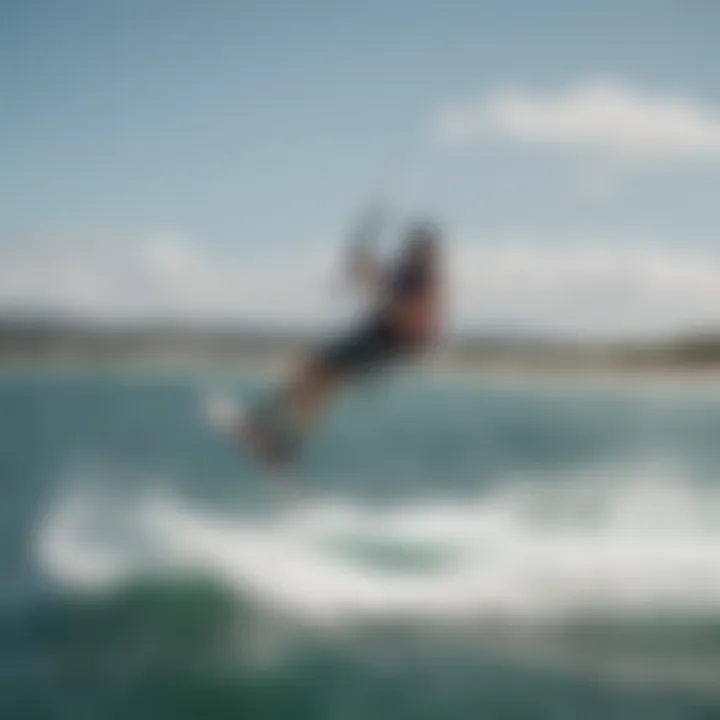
50 344
668 377
512 373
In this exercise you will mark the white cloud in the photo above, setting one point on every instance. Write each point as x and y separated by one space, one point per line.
586 287
592 287
604 117
165 277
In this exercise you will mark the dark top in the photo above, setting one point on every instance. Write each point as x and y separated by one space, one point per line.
408 281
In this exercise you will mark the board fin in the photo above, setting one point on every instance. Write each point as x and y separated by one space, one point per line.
223 413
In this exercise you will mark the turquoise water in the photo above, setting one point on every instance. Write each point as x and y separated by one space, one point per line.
457 548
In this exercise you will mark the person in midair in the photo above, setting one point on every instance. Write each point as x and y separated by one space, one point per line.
402 323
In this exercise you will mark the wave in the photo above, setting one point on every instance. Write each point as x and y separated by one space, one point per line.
616 542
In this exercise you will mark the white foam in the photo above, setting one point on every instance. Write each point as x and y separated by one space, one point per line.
622 540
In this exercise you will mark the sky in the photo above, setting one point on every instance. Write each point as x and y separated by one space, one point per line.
207 160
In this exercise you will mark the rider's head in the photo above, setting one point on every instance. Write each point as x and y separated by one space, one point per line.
422 243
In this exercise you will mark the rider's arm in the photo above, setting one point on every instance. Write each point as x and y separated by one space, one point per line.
363 267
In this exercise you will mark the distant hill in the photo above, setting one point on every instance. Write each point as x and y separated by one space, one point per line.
48 339
43 339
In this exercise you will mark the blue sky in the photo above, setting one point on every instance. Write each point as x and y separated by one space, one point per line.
241 127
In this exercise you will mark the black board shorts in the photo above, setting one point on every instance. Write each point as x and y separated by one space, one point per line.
370 347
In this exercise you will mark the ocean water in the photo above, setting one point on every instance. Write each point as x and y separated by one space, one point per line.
450 548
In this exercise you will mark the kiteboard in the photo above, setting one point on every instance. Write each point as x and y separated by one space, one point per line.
239 424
